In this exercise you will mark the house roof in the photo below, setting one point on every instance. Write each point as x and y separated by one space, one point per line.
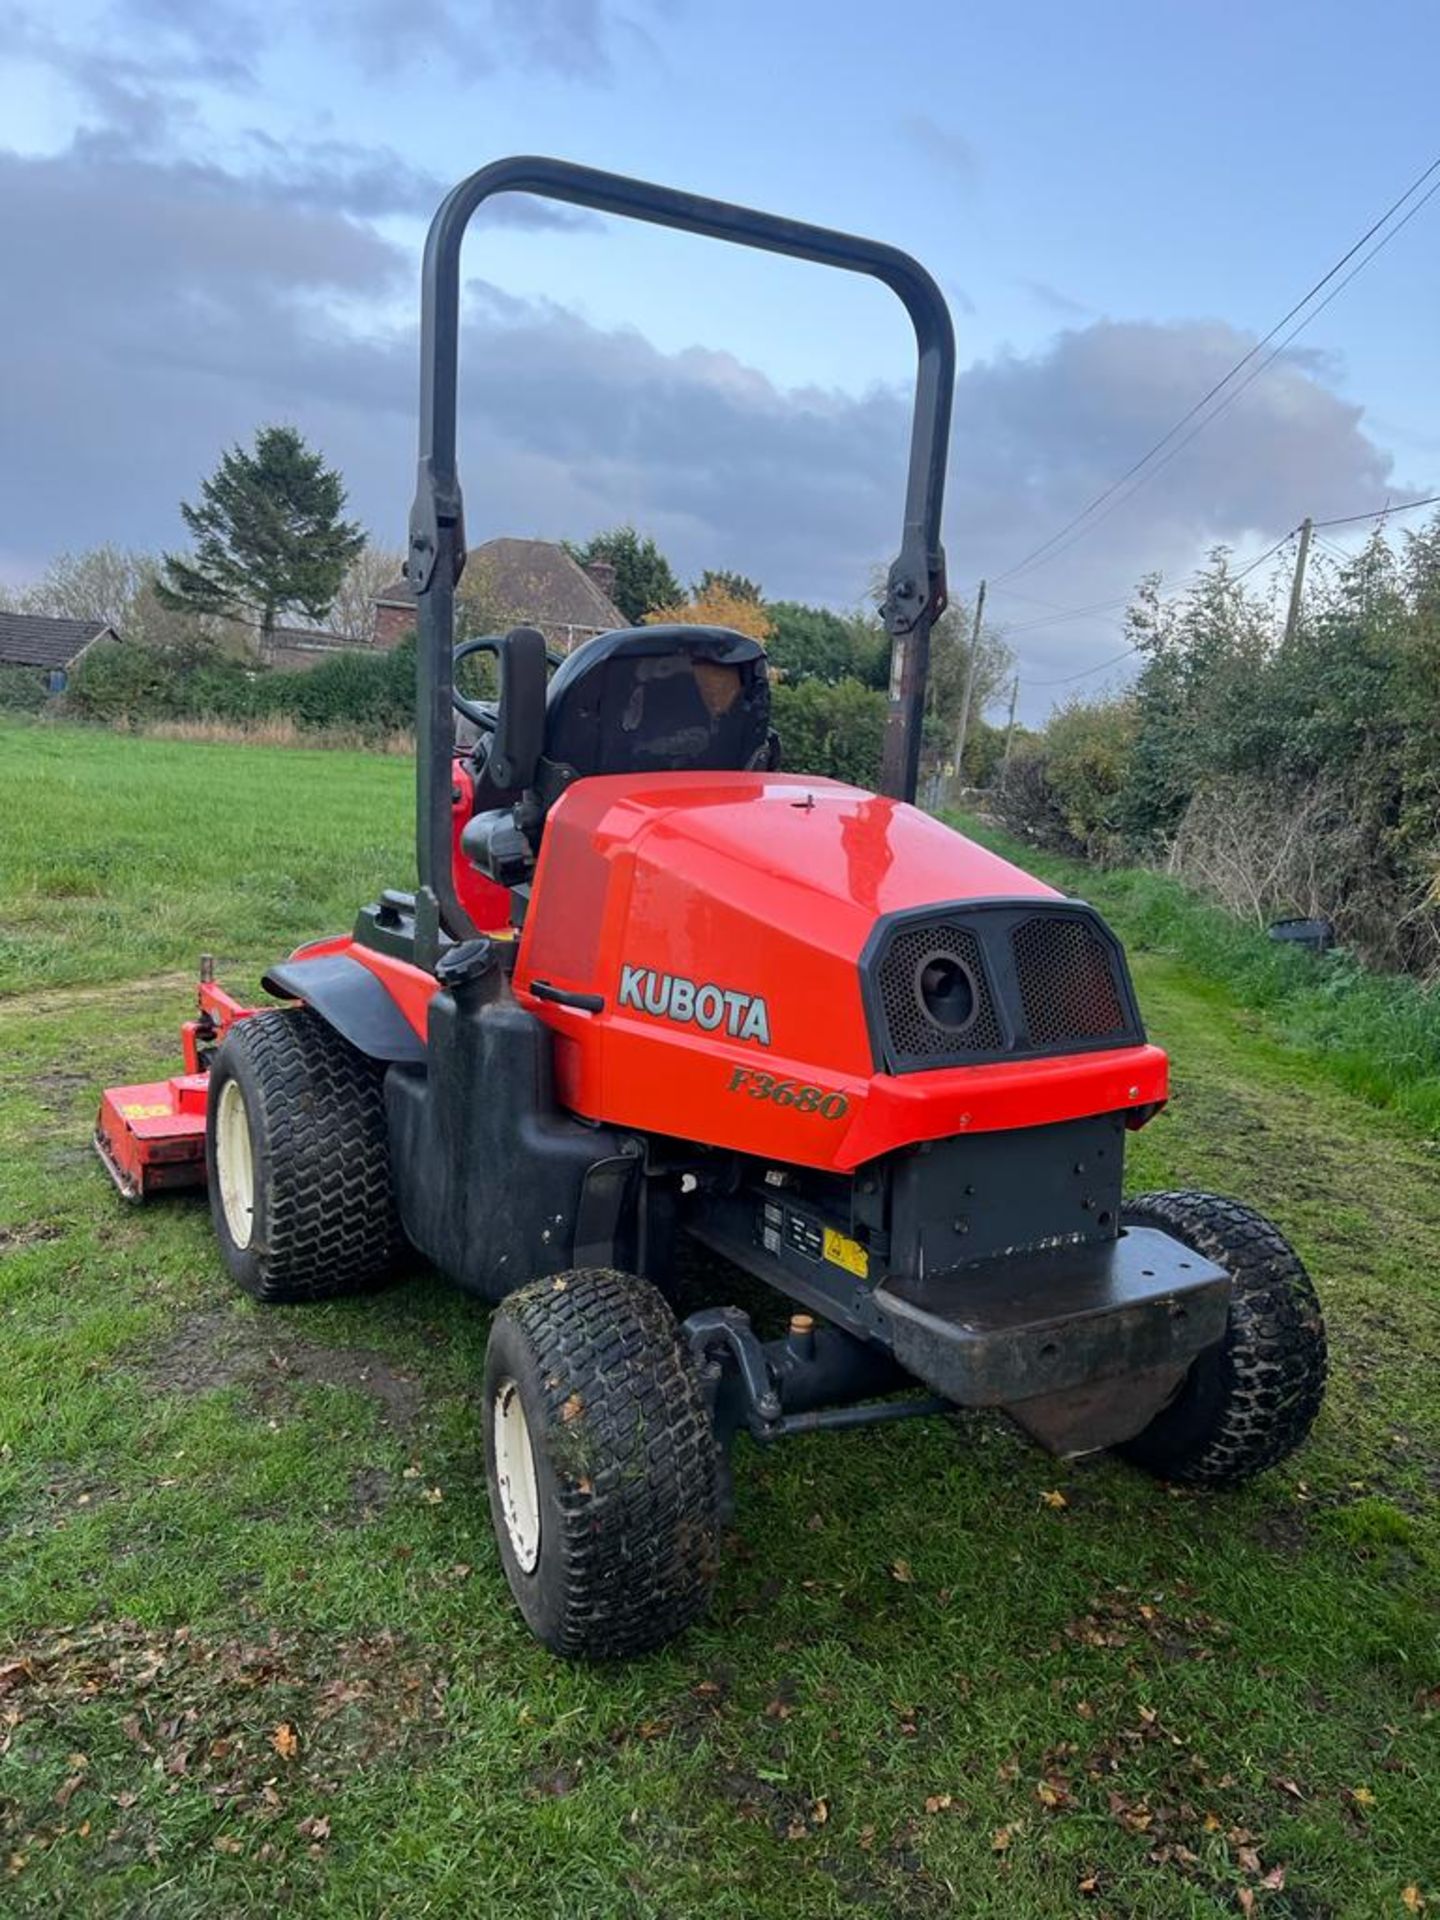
533 580
41 640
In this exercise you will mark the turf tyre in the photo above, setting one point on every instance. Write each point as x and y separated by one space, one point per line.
1249 1401
323 1220
624 1459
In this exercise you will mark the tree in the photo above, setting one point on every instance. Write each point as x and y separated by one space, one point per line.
644 579
949 664
104 583
352 611
738 585
716 608
812 643
268 535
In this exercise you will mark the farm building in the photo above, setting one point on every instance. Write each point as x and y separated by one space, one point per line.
53 647
535 581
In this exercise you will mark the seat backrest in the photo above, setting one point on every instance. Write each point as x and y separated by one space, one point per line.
660 699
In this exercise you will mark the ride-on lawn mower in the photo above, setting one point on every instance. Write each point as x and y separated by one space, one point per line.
649 989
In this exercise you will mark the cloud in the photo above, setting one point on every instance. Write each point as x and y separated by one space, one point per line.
1054 301
159 311
945 147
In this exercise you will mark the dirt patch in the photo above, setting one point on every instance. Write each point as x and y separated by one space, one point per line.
220 1348
27 1006
30 1233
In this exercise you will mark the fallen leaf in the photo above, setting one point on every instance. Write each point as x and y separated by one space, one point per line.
573 1408
1362 1796
285 1741
432 1496
867 1839
1412 1897
1246 1899
902 1571
938 1802
1000 1840
227 1843
65 1791
1053 1497
1275 1879
820 1812
314 1826
1249 1859
778 1710
797 1830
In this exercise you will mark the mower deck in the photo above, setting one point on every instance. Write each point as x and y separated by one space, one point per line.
151 1137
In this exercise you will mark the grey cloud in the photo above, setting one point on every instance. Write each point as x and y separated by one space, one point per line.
573 38
343 176
162 312
1054 301
943 146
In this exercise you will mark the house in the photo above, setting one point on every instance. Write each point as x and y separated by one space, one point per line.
53 647
297 648
536 583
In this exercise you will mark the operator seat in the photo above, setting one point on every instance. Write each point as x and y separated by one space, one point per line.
638 701
662 699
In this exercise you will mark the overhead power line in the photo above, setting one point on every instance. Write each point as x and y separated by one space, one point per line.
1137 467
1381 513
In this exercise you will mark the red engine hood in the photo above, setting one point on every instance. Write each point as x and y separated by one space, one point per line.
854 854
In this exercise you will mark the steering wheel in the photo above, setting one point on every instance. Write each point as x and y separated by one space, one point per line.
478 715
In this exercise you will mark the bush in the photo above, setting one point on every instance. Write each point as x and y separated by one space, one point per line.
125 684
836 730
22 689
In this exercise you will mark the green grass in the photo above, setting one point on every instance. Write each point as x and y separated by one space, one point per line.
256 1652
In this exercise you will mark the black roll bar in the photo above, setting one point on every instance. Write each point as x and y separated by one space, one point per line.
915 593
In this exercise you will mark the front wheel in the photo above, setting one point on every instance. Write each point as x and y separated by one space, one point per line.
1250 1400
601 1463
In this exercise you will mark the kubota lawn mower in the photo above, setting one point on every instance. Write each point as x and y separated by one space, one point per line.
649 989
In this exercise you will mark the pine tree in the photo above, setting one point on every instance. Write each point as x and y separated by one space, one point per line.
268 535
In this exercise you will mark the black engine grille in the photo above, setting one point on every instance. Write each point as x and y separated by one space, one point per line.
1046 979
1067 985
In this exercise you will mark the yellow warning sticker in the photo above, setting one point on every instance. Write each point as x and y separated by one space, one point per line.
142 1110
849 1254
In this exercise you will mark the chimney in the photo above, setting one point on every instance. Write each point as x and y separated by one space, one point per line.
603 574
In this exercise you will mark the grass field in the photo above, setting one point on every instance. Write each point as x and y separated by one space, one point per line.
256 1653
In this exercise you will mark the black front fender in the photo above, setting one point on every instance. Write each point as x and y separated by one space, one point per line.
353 1001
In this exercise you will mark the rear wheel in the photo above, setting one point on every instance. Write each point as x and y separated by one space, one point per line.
298 1160
600 1458
1251 1399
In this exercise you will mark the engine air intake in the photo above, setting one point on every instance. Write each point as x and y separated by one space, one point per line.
990 980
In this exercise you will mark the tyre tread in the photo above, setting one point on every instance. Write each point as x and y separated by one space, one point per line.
333 1226
1263 1387
640 1529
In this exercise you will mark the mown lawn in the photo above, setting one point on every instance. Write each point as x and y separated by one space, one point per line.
256 1652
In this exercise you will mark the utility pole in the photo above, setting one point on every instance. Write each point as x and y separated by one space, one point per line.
970 670
1009 731
1297 585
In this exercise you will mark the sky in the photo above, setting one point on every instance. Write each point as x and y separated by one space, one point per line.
211 218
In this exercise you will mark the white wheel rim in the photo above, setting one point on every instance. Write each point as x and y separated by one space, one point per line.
515 1475
235 1164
